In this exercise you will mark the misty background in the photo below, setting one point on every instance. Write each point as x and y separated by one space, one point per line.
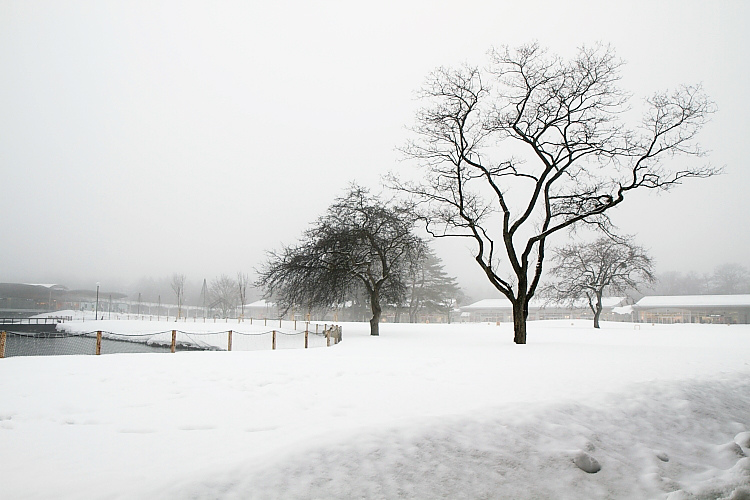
143 139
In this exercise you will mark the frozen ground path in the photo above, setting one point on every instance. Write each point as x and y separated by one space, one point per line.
422 412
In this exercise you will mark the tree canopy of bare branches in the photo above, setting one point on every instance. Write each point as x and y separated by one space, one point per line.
362 242
537 144
587 270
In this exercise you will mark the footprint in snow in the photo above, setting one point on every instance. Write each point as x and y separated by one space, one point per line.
742 439
586 462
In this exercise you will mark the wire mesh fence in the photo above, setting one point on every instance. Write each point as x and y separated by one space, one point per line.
16 343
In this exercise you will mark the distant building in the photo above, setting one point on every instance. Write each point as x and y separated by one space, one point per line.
723 309
500 310
261 309
25 299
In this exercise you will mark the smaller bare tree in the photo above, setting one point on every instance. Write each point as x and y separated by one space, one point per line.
587 270
243 279
223 293
178 287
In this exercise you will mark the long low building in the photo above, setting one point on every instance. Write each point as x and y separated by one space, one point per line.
500 310
724 309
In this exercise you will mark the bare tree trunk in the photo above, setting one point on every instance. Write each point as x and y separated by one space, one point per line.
520 314
377 311
598 309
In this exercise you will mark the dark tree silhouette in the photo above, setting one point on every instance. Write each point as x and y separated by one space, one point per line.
587 270
540 151
430 288
362 242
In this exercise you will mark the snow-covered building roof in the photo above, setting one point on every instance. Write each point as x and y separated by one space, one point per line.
504 304
53 286
489 304
693 301
623 309
261 303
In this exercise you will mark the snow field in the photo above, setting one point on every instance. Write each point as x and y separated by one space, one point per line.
424 411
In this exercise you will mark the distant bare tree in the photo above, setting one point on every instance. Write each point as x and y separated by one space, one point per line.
178 287
223 293
242 281
204 298
579 159
677 283
587 270
730 279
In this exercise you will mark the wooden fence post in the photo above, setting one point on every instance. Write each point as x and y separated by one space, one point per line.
3 336
229 341
98 343
306 333
273 342
328 337
174 340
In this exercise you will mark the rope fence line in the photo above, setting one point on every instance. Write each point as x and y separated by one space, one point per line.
13 343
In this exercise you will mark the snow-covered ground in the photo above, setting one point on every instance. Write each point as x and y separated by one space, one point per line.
423 411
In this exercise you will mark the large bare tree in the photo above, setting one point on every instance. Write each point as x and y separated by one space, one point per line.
542 149
588 270
361 243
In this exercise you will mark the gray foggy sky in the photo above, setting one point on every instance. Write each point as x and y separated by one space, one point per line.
147 138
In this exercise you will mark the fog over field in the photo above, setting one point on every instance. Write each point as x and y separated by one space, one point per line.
141 139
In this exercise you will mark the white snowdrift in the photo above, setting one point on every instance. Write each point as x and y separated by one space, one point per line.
424 411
